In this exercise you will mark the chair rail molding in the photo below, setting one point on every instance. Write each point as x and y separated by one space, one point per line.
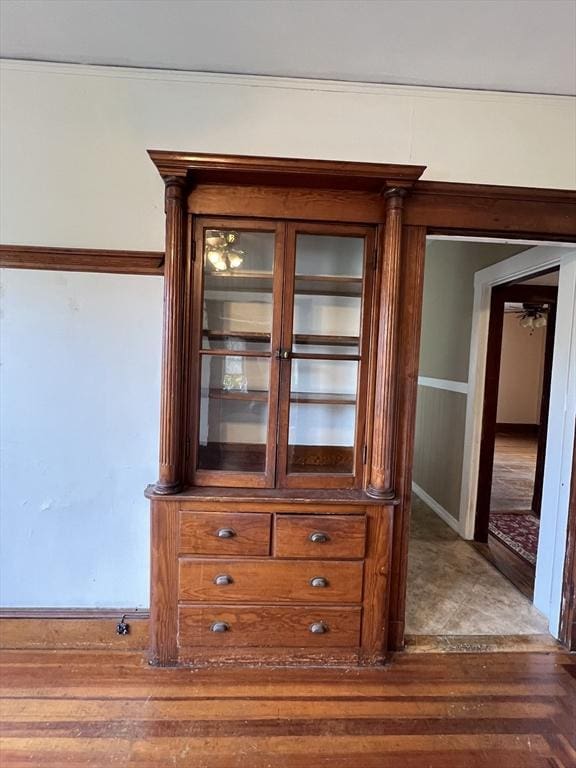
82 260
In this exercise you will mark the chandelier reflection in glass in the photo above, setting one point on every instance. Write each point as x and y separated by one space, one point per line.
222 251
533 316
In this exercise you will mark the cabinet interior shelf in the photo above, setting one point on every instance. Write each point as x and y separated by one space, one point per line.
258 395
298 338
322 285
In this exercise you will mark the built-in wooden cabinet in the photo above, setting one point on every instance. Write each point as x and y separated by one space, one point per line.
273 514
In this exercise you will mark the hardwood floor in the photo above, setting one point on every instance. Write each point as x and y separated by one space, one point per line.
80 709
513 474
515 568
512 489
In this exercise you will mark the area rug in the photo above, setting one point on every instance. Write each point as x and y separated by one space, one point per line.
519 532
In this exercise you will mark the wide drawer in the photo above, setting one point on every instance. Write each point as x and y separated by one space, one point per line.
223 626
228 533
257 581
320 536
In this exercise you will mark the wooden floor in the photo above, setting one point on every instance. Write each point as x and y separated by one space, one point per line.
513 472
504 710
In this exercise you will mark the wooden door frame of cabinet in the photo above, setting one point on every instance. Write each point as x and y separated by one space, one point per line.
216 478
328 480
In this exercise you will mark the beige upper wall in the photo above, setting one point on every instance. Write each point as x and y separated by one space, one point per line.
74 140
521 373
448 302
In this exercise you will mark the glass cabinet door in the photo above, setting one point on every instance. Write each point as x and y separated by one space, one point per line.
236 290
322 356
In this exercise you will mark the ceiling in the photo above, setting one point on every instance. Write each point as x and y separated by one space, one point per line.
550 278
507 45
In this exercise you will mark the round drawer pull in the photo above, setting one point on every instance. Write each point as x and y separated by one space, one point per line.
226 533
220 626
318 628
318 581
222 580
318 537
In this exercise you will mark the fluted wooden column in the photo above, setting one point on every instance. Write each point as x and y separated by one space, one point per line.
170 474
381 483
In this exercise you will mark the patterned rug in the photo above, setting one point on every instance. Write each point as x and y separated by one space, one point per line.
519 532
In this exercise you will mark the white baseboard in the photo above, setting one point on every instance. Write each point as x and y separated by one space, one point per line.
438 508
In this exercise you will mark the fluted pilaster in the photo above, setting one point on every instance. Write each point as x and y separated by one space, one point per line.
385 404
170 474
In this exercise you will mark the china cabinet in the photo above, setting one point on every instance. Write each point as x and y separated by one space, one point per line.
273 513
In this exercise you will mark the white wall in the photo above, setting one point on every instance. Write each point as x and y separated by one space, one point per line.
79 403
521 373
74 140
81 389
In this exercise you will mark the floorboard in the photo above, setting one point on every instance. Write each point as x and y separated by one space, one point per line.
65 708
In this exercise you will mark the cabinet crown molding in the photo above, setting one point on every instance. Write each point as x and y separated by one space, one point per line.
276 171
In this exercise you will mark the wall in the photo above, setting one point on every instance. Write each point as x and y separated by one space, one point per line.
78 414
73 146
521 373
444 357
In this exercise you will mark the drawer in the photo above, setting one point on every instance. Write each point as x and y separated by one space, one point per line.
320 536
268 626
271 581
234 533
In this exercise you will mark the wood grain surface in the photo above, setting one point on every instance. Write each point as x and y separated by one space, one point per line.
62 709
199 533
345 536
278 581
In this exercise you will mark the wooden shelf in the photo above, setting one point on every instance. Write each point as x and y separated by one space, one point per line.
261 282
257 282
255 336
253 395
322 398
328 285
258 395
299 338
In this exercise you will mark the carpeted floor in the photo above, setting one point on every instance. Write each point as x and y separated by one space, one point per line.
518 531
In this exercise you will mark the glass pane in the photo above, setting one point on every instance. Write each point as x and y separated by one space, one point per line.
328 294
238 268
322 416
233 413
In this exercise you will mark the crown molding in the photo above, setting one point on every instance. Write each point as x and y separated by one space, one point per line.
268 81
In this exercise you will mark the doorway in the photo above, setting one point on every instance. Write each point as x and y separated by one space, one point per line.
519 359
453 590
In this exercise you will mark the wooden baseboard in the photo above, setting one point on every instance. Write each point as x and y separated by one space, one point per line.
72 629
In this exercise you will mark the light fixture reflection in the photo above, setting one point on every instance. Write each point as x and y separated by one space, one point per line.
221 252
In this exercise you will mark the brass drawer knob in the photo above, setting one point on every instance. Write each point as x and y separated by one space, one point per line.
318 537
226 533
318 581
318 628
220 626
223 579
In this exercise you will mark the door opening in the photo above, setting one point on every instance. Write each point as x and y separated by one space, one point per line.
454 591
519 359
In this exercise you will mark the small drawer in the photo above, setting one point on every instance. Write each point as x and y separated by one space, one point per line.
257 581
234 533
320 536
222 626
